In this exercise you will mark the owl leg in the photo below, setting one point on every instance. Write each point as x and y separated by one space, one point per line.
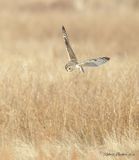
81 69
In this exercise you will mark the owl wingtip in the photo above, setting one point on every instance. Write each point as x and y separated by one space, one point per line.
63 28
107 58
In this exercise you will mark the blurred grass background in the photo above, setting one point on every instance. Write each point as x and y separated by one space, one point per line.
47 113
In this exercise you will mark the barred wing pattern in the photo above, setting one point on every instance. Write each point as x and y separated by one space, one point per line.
71 54
94 62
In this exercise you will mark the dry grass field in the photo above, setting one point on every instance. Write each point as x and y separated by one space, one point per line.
47 113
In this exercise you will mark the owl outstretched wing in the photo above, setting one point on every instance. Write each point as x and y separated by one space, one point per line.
71 54
94 62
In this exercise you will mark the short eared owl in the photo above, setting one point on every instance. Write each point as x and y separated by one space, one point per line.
73 62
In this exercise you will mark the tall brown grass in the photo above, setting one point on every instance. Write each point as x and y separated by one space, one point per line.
47 113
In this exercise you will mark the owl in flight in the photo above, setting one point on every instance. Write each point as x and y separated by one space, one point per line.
73 62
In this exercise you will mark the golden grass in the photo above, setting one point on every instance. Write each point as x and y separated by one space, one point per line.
47 113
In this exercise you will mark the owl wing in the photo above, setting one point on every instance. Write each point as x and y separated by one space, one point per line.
71 54
94 62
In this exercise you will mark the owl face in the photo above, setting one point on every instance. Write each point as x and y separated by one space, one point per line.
69 68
